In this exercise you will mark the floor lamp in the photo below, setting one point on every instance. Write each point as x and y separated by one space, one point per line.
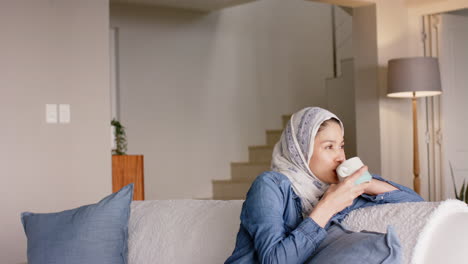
412 78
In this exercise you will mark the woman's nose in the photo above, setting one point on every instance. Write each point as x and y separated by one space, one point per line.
341 156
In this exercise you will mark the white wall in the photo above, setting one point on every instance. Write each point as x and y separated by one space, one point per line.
395 38
395 114
366 88
51 52
397 34
197 89
343 35
402 38
453 66
341 101
384 125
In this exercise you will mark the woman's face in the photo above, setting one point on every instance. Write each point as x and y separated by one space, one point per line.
328 152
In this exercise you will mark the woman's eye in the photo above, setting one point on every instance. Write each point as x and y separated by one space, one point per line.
342 146
329 147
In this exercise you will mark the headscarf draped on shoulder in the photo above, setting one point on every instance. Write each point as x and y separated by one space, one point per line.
293 151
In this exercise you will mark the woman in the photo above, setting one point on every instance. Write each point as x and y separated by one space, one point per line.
289 211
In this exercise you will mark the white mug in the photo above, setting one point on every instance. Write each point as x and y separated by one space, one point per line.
350 166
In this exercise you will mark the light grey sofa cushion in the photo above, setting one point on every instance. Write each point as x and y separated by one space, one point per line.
182 231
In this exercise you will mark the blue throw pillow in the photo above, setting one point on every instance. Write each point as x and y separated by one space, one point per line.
95 233
344 246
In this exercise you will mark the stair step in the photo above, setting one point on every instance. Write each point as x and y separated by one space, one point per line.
285 119
247 171
244 173
260 154
273 136
230 190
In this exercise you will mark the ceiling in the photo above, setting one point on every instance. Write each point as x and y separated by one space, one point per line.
200 5
461 12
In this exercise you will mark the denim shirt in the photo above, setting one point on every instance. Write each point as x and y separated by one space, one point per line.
272 228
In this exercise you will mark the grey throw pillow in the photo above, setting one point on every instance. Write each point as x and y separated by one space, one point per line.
344 246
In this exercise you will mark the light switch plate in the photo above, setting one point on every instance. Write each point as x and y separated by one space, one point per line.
51 114
64 113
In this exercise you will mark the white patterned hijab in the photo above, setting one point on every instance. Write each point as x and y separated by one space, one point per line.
293 151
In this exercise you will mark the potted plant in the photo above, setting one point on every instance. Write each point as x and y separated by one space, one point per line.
126 168
120 138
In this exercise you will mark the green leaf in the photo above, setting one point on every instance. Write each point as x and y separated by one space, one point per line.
453 181
466 194
462 192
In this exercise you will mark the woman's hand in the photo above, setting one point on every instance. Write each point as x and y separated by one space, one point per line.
338 197
377 187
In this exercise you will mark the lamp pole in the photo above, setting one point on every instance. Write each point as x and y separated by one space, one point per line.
416 180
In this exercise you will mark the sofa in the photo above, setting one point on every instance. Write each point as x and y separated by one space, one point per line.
117 230
204 231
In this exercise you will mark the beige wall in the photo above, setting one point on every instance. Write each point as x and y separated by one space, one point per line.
197 89
394 38
397 38
395 114
57 52
51 52
365 85
402 38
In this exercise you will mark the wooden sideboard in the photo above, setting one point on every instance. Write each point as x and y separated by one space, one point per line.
128 169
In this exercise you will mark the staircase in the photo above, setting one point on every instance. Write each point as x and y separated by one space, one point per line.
340 100
244 173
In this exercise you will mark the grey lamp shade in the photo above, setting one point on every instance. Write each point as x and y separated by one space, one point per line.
417 76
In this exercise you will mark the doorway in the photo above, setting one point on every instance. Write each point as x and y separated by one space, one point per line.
453 58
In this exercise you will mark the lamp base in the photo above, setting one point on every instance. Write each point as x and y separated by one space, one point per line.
417 184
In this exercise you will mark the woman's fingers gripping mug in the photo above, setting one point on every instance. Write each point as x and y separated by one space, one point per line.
350 166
